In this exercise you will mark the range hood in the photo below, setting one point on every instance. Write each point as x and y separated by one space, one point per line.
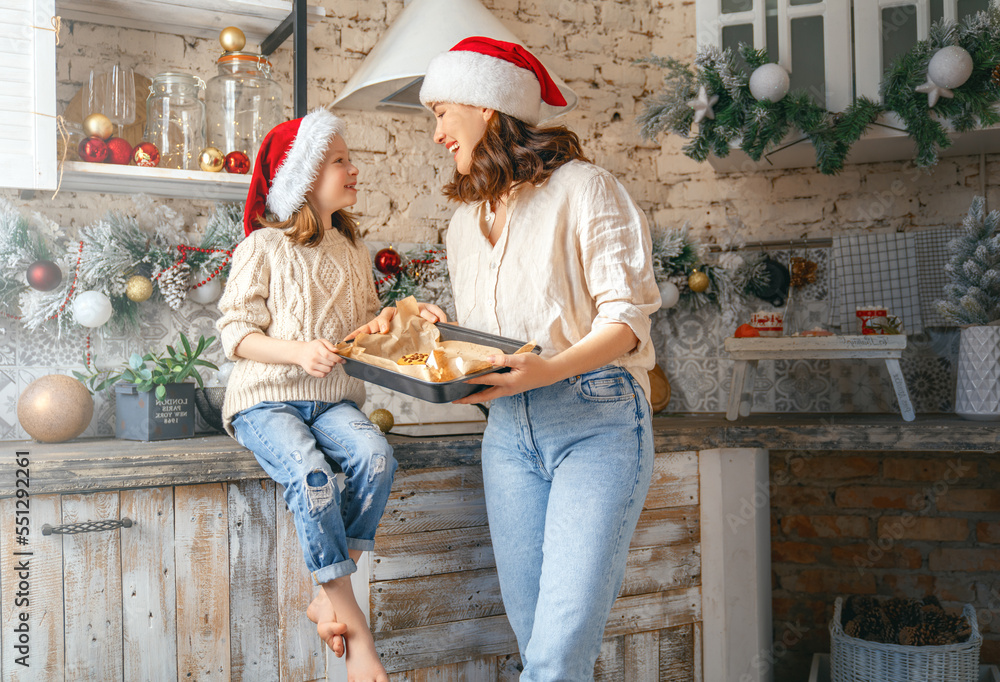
390 76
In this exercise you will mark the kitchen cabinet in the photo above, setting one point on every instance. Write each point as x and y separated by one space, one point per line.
28 159
207 583
836 60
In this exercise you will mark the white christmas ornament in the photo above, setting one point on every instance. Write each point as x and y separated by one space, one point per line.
703 104
92 308
207 292
669 294
769 82
950 67
934 92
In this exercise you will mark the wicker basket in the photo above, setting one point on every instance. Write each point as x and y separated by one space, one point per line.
858 660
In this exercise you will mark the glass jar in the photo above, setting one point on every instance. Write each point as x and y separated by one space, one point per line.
242 103
175 119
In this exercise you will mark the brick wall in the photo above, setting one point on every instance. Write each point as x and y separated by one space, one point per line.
887 524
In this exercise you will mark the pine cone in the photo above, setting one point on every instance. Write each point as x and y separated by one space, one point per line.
174 283
902 613
681 281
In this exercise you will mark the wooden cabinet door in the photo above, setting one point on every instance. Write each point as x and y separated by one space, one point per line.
208 583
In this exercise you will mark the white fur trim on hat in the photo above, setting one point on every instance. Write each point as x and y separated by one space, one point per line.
295 176
476 79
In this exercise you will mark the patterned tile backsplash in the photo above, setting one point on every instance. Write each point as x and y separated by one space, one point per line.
689 345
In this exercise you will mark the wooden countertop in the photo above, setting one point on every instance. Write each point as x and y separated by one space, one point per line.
106 463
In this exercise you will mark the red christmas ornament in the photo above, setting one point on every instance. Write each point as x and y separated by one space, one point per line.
43 275
388 261
237 162
93 149
119 151
146 154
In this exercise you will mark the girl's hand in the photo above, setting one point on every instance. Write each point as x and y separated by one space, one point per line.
527 371
380 325
317 357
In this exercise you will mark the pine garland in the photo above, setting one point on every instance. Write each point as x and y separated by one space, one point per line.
107 253
424 275
759 127
972 104
973 290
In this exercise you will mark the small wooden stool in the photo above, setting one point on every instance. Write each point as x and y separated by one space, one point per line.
747 352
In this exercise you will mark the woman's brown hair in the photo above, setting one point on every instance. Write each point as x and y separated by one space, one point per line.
305 228
511 152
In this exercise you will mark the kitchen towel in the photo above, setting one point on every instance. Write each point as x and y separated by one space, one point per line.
875 270
932 254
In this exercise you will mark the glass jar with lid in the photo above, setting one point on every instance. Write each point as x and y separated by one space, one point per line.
242 103
175 119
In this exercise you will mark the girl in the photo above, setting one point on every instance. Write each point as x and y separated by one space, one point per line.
300 280
546 246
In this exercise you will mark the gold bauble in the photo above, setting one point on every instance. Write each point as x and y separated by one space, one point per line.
138 288
382 418
98 125
698 282
211 160
55 408
232 39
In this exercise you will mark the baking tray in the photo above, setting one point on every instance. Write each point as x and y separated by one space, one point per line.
436 392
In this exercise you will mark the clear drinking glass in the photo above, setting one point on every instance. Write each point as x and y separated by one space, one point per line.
119 102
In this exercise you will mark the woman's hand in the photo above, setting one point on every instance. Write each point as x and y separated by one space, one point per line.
380 325
527 371
317 357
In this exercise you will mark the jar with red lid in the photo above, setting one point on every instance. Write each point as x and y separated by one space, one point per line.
242 103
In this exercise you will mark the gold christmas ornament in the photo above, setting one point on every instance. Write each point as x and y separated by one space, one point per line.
232 39
211 160
138 288
382 418
55 408
98 125
698 282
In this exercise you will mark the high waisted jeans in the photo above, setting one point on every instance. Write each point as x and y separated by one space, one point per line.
566 469
295 443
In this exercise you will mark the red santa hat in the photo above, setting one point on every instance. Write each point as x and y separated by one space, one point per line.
483 72
286 165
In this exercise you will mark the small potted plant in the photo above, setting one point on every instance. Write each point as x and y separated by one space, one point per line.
972 301
154 400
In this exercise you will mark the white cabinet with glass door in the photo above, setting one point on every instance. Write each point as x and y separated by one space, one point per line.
885 29
811 39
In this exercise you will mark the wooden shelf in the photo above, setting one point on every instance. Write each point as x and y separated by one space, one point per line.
201 18
79 176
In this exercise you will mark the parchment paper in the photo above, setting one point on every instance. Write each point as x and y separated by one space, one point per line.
409 333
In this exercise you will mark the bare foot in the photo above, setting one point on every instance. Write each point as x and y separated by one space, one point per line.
363 662
321 612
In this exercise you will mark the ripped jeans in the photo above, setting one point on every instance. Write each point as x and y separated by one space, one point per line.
297 442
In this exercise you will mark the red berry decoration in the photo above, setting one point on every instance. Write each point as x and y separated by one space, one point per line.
43 275
388 261
237 162
93 149
119 151
146 154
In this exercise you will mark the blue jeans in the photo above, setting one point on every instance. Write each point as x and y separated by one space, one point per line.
566 470
296 442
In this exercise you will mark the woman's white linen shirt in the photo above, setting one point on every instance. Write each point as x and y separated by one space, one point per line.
574 255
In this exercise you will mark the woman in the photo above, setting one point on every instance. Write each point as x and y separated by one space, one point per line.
547 246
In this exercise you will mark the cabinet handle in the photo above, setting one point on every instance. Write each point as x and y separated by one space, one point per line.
86 527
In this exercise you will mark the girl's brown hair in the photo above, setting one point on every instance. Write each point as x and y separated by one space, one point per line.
305 228
511 152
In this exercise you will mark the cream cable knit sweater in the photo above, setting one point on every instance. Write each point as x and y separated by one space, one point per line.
293 292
